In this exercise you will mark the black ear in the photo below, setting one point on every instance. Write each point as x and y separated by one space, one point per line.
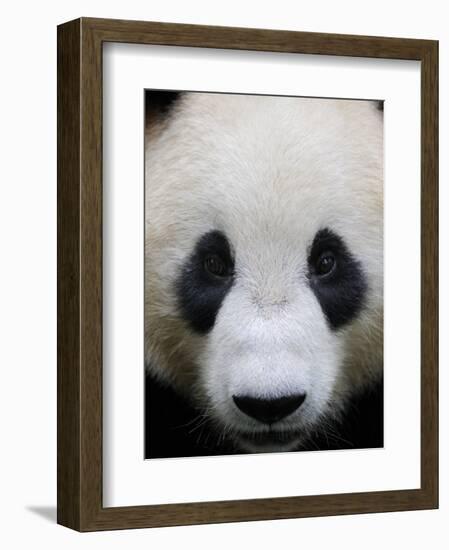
159 102
380 105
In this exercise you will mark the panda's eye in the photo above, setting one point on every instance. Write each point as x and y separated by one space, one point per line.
214 265
325 264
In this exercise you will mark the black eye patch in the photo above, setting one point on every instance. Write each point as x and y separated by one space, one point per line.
341 291
200 293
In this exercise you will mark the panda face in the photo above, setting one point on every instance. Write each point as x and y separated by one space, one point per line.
264 260
272 355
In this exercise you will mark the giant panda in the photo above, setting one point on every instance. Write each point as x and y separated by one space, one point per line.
263 274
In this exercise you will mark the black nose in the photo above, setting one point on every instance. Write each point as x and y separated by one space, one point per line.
269 410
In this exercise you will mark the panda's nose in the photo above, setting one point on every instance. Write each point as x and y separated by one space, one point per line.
269 411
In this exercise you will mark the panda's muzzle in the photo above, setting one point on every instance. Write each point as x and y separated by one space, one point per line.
269 411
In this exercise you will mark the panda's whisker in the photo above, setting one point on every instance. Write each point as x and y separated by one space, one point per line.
199 422
328 429
191 422
222 436
198 438
195 424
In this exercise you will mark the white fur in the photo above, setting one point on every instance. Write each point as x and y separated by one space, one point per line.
269 172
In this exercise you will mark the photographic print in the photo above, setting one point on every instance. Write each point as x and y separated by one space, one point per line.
263 274
231 283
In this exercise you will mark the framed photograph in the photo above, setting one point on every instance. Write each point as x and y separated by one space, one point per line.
247 274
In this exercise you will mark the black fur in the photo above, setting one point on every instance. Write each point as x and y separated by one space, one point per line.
159 104
173 428
160 100
341 293
200 294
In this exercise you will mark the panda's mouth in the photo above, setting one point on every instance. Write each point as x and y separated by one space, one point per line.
270 440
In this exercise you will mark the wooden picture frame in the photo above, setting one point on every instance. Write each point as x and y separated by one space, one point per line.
80 503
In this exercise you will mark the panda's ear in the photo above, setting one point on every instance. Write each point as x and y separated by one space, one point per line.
158 103
380 105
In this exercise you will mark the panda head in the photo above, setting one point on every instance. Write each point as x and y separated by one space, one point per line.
263 260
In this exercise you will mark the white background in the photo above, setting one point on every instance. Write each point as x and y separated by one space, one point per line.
129 480
28 274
